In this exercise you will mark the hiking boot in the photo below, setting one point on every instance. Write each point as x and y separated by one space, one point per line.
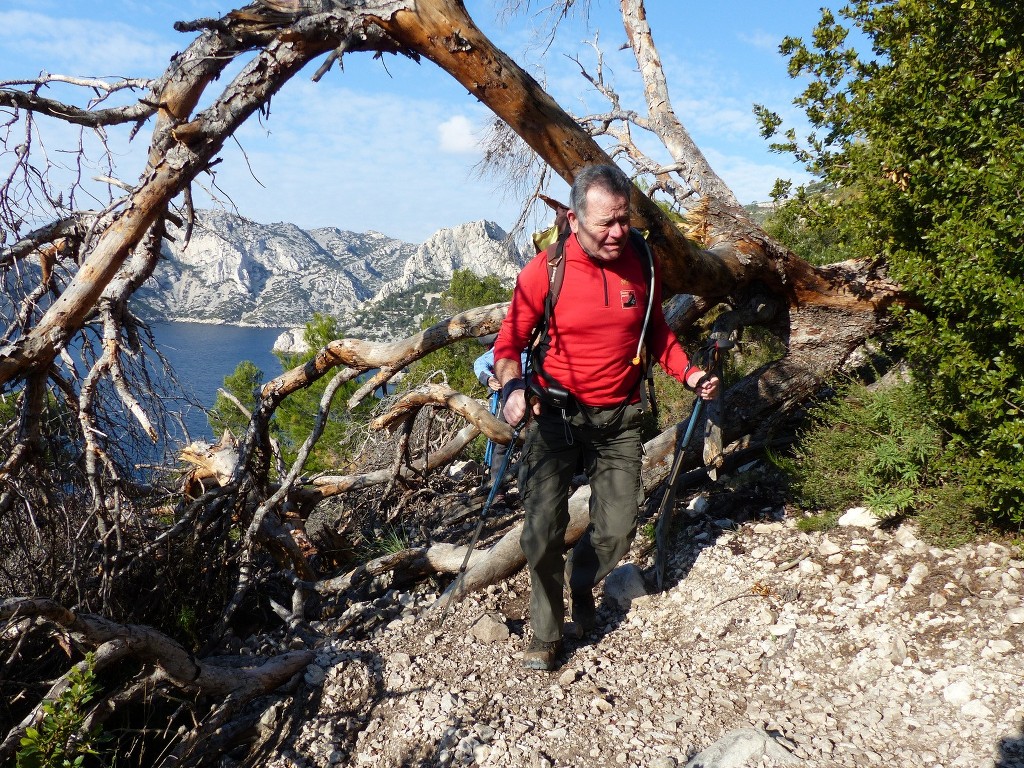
541 655
584 612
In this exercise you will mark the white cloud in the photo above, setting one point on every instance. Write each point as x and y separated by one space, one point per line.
458 136
79 46
760 40
358 160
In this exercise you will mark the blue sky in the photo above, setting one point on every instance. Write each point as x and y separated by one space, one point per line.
391 146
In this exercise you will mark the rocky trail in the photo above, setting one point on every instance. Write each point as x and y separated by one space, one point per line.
768 647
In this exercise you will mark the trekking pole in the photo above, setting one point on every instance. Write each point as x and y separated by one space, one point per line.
713 351
457 586
668 501
489 451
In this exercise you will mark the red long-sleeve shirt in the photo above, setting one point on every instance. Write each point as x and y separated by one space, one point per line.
595 327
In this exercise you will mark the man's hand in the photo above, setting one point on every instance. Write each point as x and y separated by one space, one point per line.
708 389
514 409
492 383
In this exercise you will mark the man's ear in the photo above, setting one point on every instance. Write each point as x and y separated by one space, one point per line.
574 222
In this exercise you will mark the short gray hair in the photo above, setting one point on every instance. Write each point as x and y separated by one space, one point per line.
607 177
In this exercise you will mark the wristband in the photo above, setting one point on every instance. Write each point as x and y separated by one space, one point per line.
511 386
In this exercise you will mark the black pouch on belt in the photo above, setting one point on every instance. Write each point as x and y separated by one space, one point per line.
551 395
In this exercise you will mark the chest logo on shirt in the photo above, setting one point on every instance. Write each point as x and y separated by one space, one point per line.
627 299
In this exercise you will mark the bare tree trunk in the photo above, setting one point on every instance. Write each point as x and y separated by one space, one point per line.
690 161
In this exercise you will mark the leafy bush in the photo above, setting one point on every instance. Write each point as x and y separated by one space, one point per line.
881 449
242 384
295 417
925 139
60 741
817 225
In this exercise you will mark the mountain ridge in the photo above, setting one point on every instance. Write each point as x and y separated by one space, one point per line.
240 272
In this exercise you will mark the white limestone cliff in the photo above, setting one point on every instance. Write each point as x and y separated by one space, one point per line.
237 271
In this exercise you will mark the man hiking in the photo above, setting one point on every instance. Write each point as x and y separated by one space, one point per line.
584 391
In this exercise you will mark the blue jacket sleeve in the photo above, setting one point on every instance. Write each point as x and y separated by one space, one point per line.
483 366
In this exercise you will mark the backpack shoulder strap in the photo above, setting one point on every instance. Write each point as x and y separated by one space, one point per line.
555 255
643 252
540 340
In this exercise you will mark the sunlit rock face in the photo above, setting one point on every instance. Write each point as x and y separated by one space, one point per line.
238 271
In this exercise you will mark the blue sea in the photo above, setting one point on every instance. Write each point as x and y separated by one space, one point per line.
203 354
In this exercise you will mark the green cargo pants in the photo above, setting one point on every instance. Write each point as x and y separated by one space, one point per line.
608 442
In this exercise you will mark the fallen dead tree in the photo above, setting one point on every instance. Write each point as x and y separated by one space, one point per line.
102 535
144 666
91 263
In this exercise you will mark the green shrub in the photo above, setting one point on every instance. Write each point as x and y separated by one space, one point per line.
811 523
242 384
389 540
295 416
924 133
817 225
881 449
454 363
60 741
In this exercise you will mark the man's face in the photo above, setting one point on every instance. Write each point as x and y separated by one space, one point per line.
606 230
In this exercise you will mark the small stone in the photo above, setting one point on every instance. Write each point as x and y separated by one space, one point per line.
905 538
601 704
315 675
958 693
490 628
568 677
828 548
698 505
976 709
1000 646
898 651
809 567
624 584
858 517
918 574
401 660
